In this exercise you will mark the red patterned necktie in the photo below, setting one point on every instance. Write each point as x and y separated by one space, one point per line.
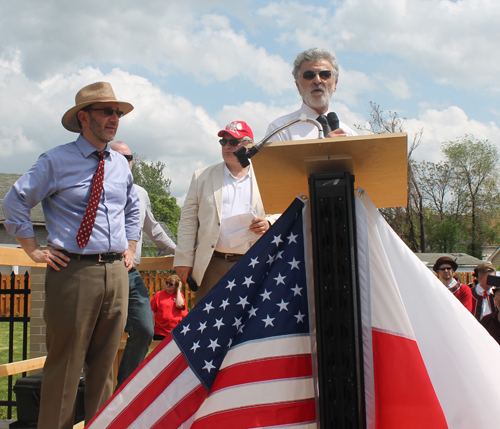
88 220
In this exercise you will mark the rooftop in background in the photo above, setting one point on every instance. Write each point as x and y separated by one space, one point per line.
466 263
6 182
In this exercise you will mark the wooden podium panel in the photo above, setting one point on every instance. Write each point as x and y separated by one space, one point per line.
379 163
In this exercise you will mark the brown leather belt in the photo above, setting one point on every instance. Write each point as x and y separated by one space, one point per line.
229 257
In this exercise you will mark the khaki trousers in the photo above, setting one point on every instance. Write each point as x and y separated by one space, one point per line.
217 268
85 313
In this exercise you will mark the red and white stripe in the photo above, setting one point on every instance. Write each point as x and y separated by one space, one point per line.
264 383
428 362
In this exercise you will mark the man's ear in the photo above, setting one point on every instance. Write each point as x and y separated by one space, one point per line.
82 116
298 87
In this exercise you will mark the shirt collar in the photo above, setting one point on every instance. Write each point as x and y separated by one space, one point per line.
310 113
480 290
87 148
228 174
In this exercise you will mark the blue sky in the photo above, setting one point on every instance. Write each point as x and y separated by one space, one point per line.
191 67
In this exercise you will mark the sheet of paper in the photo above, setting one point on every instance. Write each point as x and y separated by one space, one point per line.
238 229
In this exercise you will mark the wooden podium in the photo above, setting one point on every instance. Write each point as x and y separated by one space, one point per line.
379 163
325 170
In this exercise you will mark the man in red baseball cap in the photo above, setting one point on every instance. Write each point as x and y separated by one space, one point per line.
223 200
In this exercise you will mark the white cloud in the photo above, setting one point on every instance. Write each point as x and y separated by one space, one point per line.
456 41
447 125
164 38
52 49
351 84
306 25
161 127
256 115
397 85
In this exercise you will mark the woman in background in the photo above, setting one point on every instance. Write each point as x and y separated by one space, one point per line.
168 307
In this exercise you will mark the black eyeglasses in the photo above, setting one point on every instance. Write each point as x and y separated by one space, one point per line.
445 269
129 157
108 111
323 74
171 284
232 142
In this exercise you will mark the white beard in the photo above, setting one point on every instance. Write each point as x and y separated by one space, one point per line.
317 102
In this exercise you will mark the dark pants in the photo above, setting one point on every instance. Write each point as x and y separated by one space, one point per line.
140 327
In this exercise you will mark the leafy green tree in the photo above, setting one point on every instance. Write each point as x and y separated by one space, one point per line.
165 209
453 205
460 196
150 176
444 236
474 165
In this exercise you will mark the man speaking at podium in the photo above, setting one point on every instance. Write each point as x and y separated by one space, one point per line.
316 73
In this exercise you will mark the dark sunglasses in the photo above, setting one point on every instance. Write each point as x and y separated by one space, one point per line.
129 157
445 269
108 111
323 74
171 284
232 142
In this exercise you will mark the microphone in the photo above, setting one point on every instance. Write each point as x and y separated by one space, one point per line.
333 121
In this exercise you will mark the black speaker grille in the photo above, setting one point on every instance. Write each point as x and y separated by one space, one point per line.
338 327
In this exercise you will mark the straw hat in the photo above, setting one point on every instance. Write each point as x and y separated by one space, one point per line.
99 92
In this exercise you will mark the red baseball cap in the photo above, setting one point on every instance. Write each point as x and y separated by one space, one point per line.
238 129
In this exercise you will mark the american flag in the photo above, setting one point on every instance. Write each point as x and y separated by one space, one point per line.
242 356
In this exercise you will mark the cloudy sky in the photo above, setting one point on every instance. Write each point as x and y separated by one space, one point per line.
189 67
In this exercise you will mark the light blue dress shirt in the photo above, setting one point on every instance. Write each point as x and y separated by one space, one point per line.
61 179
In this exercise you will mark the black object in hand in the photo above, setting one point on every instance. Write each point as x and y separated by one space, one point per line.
493 281
333 121
192 284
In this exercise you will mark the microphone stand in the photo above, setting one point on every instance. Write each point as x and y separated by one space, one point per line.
244 155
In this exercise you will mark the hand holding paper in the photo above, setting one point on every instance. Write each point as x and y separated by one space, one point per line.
244 227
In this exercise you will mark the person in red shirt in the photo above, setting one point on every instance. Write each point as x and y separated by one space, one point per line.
168 307
446 267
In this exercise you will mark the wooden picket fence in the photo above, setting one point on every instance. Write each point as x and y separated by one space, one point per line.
464 278
158 281
14 306
153 281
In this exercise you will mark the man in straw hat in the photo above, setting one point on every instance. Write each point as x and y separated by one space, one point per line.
446 267
92 217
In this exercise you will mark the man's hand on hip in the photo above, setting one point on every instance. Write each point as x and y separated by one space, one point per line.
45 255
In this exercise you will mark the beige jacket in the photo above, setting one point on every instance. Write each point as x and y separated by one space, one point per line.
199 227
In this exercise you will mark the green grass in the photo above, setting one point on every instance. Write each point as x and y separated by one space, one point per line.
4 358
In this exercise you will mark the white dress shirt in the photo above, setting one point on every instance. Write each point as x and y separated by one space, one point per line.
301 130
236 199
